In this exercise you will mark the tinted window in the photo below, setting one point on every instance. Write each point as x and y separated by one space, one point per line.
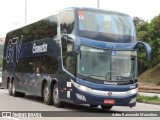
46 28
105 26
68 55
39 64
106 22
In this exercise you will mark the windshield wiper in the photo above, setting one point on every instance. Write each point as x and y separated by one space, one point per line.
106 78
130 78
95 76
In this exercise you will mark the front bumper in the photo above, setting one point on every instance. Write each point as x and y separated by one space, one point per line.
85 95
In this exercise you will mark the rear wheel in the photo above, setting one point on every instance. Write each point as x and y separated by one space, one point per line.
47 96
21 94
14 92
56 100
10 87
105 107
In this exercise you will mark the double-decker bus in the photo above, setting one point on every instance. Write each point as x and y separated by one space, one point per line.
77 55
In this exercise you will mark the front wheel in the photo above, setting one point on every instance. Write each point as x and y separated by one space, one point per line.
105 107
56 100
47 96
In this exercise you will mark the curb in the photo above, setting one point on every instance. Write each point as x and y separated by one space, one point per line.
149 103
149 91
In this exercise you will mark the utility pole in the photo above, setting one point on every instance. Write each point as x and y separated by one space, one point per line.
25 11
97 3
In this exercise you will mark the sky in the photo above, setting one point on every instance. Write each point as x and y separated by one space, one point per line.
12 12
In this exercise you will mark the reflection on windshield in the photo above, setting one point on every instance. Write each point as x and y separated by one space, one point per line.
112 23
95 62
106 64
123 64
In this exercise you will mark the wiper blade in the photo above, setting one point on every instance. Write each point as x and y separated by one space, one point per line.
93 76
130 78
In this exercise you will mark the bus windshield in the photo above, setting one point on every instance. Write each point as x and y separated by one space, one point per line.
106 65
108 26
123 65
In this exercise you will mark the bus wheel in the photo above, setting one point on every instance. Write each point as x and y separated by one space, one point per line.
14 92
47 96
10 87
105 107
56 100
93 105
21 94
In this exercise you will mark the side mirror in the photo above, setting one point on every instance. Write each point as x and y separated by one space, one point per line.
147 48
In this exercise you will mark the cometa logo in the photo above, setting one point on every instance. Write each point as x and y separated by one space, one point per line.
39 49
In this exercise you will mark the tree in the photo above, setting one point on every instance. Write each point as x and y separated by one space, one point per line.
149 33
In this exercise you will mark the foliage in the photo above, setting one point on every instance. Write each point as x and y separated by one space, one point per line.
149 33
148 99
1 54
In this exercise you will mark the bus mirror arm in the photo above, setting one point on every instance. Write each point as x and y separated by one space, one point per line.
80 54
146 47
77 49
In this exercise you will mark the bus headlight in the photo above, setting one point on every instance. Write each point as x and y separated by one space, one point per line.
81 87
133 91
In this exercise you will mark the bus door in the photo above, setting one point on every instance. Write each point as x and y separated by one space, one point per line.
68 59
67 20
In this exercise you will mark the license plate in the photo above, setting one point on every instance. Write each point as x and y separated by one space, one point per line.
109 101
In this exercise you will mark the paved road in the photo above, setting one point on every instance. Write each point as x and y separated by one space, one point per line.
31 103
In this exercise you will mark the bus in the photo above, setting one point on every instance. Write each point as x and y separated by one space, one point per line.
78 56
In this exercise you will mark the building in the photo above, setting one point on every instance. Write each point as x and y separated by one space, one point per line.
2 41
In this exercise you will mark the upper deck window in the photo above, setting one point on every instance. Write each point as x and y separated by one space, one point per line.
106 25
67 22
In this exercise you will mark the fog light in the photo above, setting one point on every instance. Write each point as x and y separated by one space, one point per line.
81 97
133 100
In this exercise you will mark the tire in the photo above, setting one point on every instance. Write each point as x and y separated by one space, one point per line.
10 88
56 100
47 96
93 105
21 94
14 92
105 107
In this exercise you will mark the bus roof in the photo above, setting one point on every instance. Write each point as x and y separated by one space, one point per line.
75 8
94 9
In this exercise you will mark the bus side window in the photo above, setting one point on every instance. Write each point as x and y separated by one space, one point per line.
67 22
68 56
